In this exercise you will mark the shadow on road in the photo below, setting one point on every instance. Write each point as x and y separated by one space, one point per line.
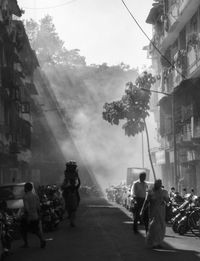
103 233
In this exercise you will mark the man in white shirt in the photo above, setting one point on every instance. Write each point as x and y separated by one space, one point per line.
139 190
30 221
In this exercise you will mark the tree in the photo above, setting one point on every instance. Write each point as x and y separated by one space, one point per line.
133 108
49 47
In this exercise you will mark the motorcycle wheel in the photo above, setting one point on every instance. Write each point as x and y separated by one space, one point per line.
194 222
182 228
175 226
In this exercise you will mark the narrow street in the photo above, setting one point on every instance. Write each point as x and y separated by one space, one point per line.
104 232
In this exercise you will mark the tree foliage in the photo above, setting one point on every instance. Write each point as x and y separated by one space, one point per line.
133 106
49 47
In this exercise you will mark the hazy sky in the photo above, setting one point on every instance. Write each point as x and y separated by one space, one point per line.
103 30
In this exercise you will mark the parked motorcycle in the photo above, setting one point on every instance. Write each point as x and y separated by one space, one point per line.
181 210
59 208
183 225
6 223
180 221
50 219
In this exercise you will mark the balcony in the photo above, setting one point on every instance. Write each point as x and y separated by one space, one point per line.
175 10
180 62
172 77
193 155
24 134
184 136
179 13
182 156
188 155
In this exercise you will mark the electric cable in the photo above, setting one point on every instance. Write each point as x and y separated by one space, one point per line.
157 49
50 7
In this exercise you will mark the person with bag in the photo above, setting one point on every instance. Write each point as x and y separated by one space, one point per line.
30 221
70 189
157 199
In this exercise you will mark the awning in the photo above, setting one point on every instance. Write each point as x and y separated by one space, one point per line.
187 90
188 85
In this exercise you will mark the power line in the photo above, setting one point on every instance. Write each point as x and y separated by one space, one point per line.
157 49
50 7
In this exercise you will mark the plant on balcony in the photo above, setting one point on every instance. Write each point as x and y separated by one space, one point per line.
193 41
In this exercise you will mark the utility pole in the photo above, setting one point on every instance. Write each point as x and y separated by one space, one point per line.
142 149
174 141
173 131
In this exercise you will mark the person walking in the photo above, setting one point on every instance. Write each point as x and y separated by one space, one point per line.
172 193
70 189
157 199
139 190
30 220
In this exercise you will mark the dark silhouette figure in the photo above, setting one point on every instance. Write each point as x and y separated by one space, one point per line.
139 192
70 188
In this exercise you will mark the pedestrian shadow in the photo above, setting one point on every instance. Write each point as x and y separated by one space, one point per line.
179 236
166 253
172 254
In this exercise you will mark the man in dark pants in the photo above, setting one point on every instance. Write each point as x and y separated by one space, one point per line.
30 220
139 193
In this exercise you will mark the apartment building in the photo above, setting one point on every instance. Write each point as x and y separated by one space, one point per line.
15 74
175 54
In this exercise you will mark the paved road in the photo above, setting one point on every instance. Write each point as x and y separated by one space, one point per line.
103 233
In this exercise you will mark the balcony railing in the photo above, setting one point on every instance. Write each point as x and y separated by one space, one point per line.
193 59
173 76
176 9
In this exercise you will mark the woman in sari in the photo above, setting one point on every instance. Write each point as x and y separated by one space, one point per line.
156 200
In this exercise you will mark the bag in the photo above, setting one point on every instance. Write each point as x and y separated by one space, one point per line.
133 206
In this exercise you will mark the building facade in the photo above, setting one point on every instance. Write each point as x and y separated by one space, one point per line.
16 67
175 54
28 150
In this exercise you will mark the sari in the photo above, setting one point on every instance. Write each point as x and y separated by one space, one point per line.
157 200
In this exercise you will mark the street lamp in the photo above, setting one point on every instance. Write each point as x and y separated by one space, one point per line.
173 128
